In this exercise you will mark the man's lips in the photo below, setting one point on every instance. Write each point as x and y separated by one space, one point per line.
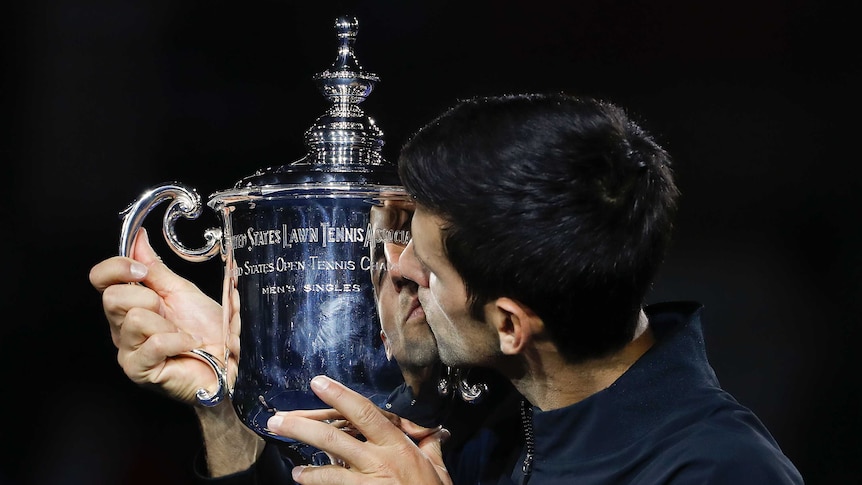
416 310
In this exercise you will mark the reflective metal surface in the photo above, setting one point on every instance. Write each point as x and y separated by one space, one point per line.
300 245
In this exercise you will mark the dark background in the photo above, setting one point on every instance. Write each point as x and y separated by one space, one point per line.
756 100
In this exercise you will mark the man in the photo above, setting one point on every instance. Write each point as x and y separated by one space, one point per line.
540 224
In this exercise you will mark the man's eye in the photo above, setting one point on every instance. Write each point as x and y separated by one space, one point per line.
381 275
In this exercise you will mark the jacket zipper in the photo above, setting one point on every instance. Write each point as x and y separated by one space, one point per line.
527 421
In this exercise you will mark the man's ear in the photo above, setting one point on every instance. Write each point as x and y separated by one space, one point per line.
386 345
516 324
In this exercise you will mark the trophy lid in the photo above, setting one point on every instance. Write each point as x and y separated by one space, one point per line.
344 144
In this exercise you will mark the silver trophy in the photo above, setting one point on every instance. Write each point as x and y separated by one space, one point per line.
297 244
301 243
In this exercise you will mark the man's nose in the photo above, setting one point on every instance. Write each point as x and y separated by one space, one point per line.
394 254
410 267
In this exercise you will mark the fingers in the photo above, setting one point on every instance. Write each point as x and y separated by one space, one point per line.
116 270
146 343
363 415
432 471
140 362
411 429
119 269
318 434
330 415
142 325
119 299
361 412
155 324
313 475
385 454
432 446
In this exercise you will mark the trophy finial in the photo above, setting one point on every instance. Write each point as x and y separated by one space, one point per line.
344 137
346 28
343 143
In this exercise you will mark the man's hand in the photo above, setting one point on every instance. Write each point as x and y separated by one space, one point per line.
154 323
394 450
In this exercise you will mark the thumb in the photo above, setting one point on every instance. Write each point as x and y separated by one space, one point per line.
142 250
432 446
159 277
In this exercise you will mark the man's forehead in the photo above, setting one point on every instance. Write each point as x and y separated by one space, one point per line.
426 232
424 220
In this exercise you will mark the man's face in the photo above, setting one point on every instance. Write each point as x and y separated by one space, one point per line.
461 340
406 335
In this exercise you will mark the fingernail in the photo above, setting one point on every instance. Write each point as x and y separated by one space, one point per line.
138 270
320 383
274 422
296 472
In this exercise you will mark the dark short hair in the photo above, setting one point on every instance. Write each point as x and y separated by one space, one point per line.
560 202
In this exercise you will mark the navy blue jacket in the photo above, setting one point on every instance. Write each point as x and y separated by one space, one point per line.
665 421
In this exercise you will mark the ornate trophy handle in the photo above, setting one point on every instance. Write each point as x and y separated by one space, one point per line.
453 380
185 203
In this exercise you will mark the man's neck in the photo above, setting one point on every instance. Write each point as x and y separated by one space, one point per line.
418 378
551 383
